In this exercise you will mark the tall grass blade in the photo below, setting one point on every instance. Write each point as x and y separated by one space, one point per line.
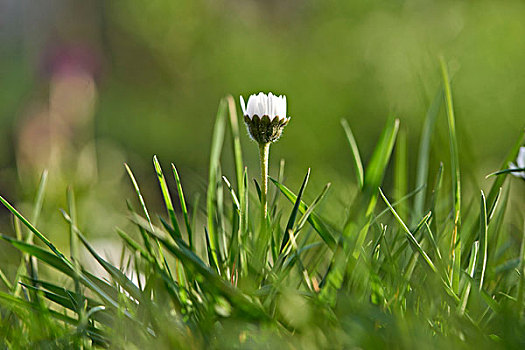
481 263
211 196
456 178
358 164
424 152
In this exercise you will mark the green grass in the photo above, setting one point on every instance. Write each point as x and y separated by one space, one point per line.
411 269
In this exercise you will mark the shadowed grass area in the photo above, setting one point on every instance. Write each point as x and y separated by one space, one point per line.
425 268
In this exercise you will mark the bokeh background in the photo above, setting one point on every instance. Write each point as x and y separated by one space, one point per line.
88 85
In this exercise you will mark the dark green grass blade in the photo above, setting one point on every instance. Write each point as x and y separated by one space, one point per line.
211 196
498 183
410 237
212 279
521 269
41 254
456 179
68 299
481 263
257 189
314 220
166 196
349 246
98 286
10 301
183 206
417 247
358 164
424 152
311 208
33 229
295 210
506 171
73 243
114 272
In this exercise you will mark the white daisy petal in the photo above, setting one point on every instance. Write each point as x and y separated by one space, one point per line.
265 104
243 106
521 158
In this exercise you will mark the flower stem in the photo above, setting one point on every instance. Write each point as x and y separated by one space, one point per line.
264 149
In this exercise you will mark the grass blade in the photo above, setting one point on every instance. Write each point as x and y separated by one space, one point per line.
456 178
424 152
166 196
183 206
295 210
358 164
314 220
481 263
211 196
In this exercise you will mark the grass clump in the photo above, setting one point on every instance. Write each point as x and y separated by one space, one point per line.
417 271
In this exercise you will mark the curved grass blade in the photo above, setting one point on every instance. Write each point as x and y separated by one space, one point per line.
358 164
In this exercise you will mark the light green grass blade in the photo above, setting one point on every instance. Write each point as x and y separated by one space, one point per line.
139 194
410 237
401 172
166 196
456 178
417 247
183 206
470 270
37 208
358 164
212 280
236 143
211 196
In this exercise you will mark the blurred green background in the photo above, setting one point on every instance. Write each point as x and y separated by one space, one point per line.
87 85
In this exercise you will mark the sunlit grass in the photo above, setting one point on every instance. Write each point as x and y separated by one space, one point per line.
406 270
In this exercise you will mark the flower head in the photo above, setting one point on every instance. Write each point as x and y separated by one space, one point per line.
520 164
265 116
